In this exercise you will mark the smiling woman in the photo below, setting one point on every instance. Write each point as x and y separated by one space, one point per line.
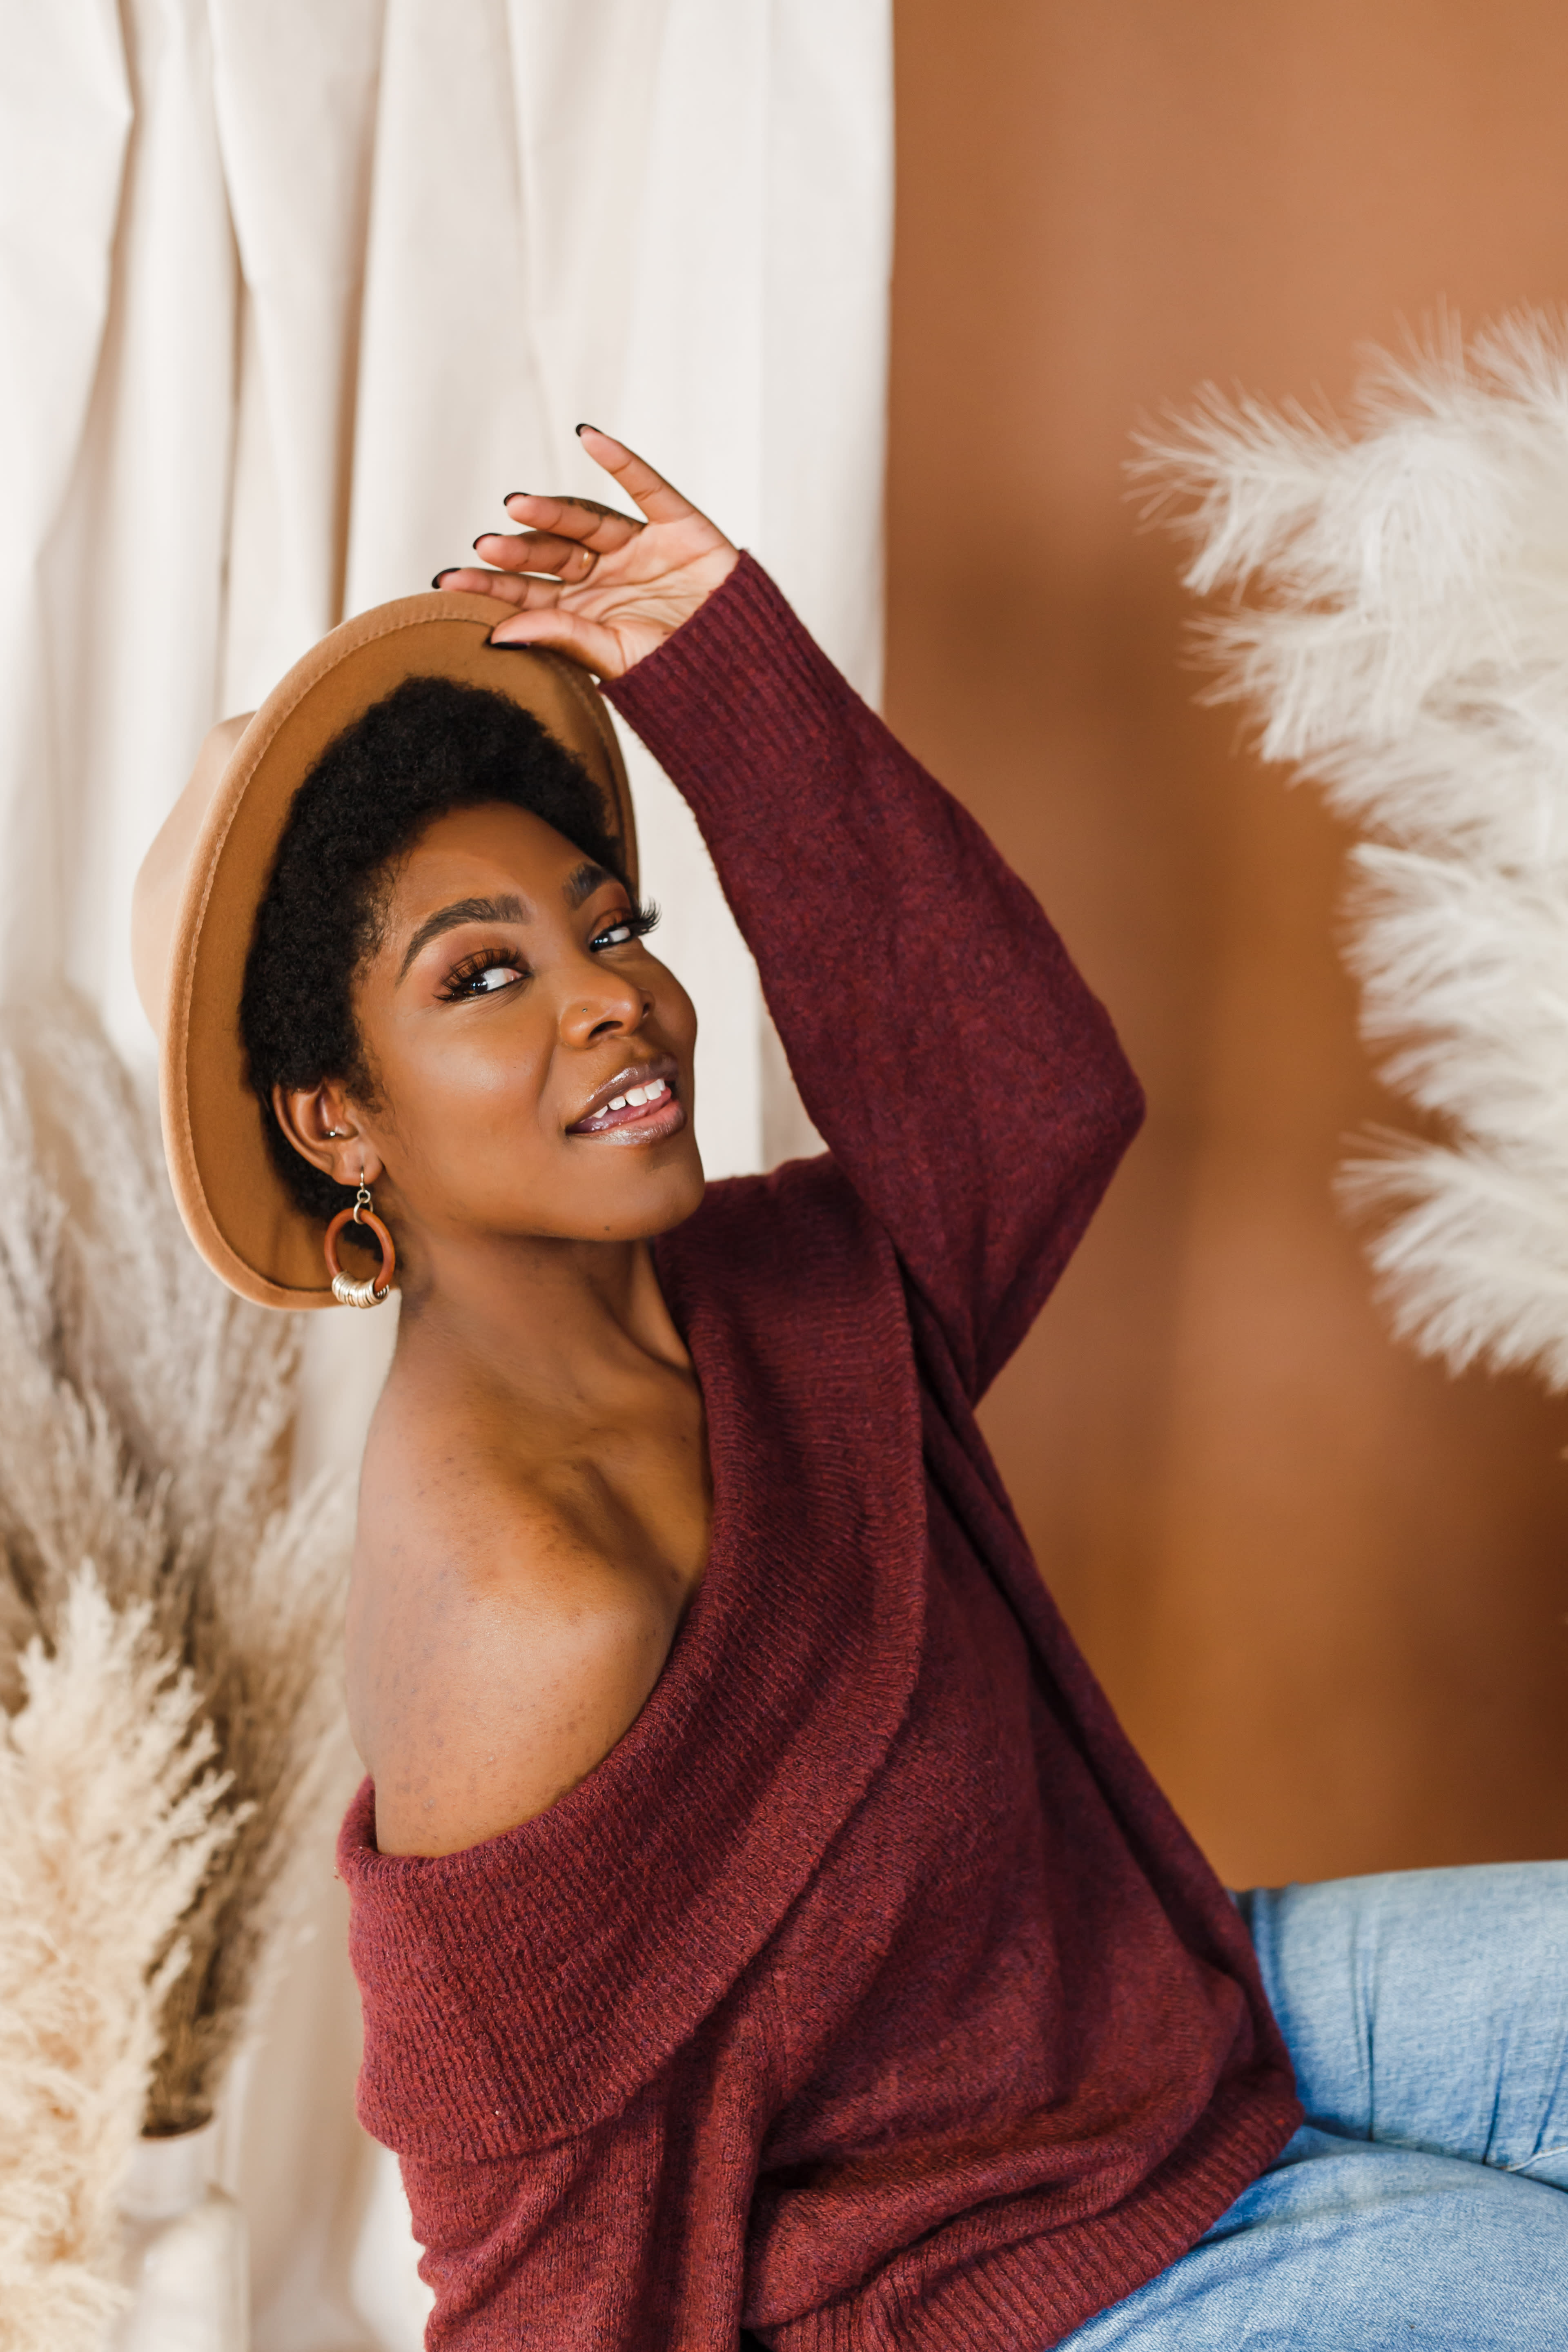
448 999
760 1920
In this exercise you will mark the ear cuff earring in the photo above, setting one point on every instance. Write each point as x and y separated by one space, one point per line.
378 1286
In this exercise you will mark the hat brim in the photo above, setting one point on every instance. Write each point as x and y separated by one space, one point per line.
238 1212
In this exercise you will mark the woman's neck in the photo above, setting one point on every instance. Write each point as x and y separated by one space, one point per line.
539 1317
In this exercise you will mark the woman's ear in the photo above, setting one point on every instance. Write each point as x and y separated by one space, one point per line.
322 1125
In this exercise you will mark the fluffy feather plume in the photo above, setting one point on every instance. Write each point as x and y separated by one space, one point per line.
1399 630
112 1822
145 1433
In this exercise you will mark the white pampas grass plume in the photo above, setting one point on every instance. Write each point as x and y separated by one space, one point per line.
1399 631
110 1819
145 1428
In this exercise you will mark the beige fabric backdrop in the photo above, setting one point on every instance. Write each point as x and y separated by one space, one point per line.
290 294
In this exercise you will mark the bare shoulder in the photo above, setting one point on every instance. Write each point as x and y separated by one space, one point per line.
498 1645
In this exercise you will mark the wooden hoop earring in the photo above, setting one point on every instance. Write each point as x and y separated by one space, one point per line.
377 1289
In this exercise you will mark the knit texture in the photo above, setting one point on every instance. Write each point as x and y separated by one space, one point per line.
869 1994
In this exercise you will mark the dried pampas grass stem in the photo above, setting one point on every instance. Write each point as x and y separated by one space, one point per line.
168 1641
112 1821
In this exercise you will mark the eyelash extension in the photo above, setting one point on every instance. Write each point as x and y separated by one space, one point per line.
481 960
643 918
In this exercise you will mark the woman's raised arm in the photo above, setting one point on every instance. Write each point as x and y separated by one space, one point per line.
964 1078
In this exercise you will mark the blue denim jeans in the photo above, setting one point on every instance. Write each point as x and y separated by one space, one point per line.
1422 2204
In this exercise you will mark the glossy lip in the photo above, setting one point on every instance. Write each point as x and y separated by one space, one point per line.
644 1122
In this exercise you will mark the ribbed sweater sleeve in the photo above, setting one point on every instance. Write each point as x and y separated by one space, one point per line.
965 1079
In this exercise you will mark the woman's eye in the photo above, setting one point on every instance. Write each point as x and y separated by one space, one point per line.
620 930
487 977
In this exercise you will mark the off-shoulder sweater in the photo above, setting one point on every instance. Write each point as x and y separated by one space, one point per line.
868 1993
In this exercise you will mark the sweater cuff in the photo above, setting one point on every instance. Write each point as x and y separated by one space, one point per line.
743 666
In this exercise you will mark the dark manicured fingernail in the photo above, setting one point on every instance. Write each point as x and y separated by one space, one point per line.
515 494
587 428
444 576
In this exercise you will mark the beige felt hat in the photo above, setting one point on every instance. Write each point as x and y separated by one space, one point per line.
202 879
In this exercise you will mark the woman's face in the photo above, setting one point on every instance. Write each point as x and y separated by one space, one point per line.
510 1008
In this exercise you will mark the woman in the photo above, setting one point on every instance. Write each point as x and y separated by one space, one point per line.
762 1922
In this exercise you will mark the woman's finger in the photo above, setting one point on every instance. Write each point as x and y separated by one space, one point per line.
602 528
537 550
648 490
526 593
588 641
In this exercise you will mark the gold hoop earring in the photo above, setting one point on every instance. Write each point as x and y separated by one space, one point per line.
374 1291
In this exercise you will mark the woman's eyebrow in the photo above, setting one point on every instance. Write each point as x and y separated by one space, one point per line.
582 881
507 910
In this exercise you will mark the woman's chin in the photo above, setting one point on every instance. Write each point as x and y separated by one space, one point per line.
685 1196
645 1201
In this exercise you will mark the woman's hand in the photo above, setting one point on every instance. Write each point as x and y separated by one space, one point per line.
588 581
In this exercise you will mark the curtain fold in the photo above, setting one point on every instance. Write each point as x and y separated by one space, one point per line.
289 297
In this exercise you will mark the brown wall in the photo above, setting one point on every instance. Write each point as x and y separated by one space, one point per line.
1326 1586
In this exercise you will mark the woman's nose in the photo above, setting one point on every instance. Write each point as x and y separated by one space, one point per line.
601 1004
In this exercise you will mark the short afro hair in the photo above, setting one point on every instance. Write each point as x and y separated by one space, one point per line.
430 745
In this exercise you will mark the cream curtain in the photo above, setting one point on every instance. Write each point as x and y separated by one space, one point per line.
291 292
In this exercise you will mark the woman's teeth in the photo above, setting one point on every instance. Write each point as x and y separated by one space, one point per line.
635 1096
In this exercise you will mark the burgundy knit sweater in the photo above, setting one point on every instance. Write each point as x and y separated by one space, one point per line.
868 1993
